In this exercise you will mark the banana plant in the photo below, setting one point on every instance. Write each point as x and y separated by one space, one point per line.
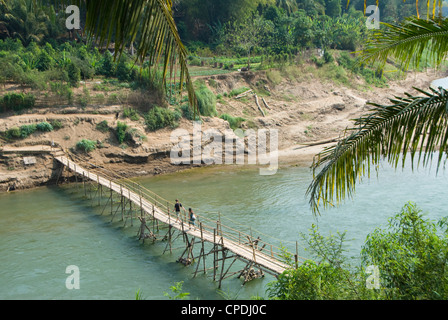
149 23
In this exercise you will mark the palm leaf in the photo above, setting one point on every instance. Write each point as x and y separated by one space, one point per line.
149 23
411 125
407 41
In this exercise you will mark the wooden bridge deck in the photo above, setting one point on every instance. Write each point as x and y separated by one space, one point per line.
245 250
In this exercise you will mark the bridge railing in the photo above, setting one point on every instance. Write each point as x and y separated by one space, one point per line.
208 221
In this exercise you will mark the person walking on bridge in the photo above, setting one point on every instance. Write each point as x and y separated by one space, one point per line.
177 207
192 218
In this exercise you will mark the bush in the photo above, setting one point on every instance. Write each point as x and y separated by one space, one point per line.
13 133
86 145
124 71
411 254
206 101
131 114
57 124
103 126
74 74
44 127
106 65
158 118
121 131
234 122
187 112
27 130
17 101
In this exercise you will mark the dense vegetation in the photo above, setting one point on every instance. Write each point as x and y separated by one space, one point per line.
411 255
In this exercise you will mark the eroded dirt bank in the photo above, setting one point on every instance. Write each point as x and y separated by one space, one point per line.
302 111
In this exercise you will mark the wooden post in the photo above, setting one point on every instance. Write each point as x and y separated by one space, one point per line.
214 254
84 184
223 252
296 257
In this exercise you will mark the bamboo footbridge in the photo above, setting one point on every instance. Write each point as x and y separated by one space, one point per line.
154 215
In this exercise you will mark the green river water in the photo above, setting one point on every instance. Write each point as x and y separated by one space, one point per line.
46 229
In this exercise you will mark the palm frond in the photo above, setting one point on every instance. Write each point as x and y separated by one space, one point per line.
411 125
407 41
149 23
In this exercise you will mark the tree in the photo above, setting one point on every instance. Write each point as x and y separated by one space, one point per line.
149 23
417 125
25 21
412 254
248 34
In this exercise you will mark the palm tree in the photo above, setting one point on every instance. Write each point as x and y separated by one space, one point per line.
25 22
288 5
147 22
411 125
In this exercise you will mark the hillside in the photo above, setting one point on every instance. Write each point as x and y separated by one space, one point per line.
304 107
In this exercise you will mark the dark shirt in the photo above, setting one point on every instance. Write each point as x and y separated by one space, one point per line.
177 206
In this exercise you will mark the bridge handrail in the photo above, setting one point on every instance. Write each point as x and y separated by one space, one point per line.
223 230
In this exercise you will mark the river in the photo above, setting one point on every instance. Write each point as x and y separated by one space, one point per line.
46 229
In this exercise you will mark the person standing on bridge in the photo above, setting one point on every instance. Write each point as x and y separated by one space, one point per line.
177 207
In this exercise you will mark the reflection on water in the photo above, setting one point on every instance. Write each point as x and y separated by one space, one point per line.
46 229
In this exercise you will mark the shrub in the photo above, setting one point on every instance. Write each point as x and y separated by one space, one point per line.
195 61
13 133
74 74
86 145
187 112
131 114
44 127
57 124
206 101
237 91
124 71
234 122
103 126
17 101
27 130
106 65
121 131
158 118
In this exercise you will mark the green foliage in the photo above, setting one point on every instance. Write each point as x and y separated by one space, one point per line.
17 101
329 277
124 71
44 127
103 126
121 131
56 124
27 129
158 118
74 74
86 145
237 91
234 122
13 133
187 112
176 292
131 114
106 65
206 101
412 255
